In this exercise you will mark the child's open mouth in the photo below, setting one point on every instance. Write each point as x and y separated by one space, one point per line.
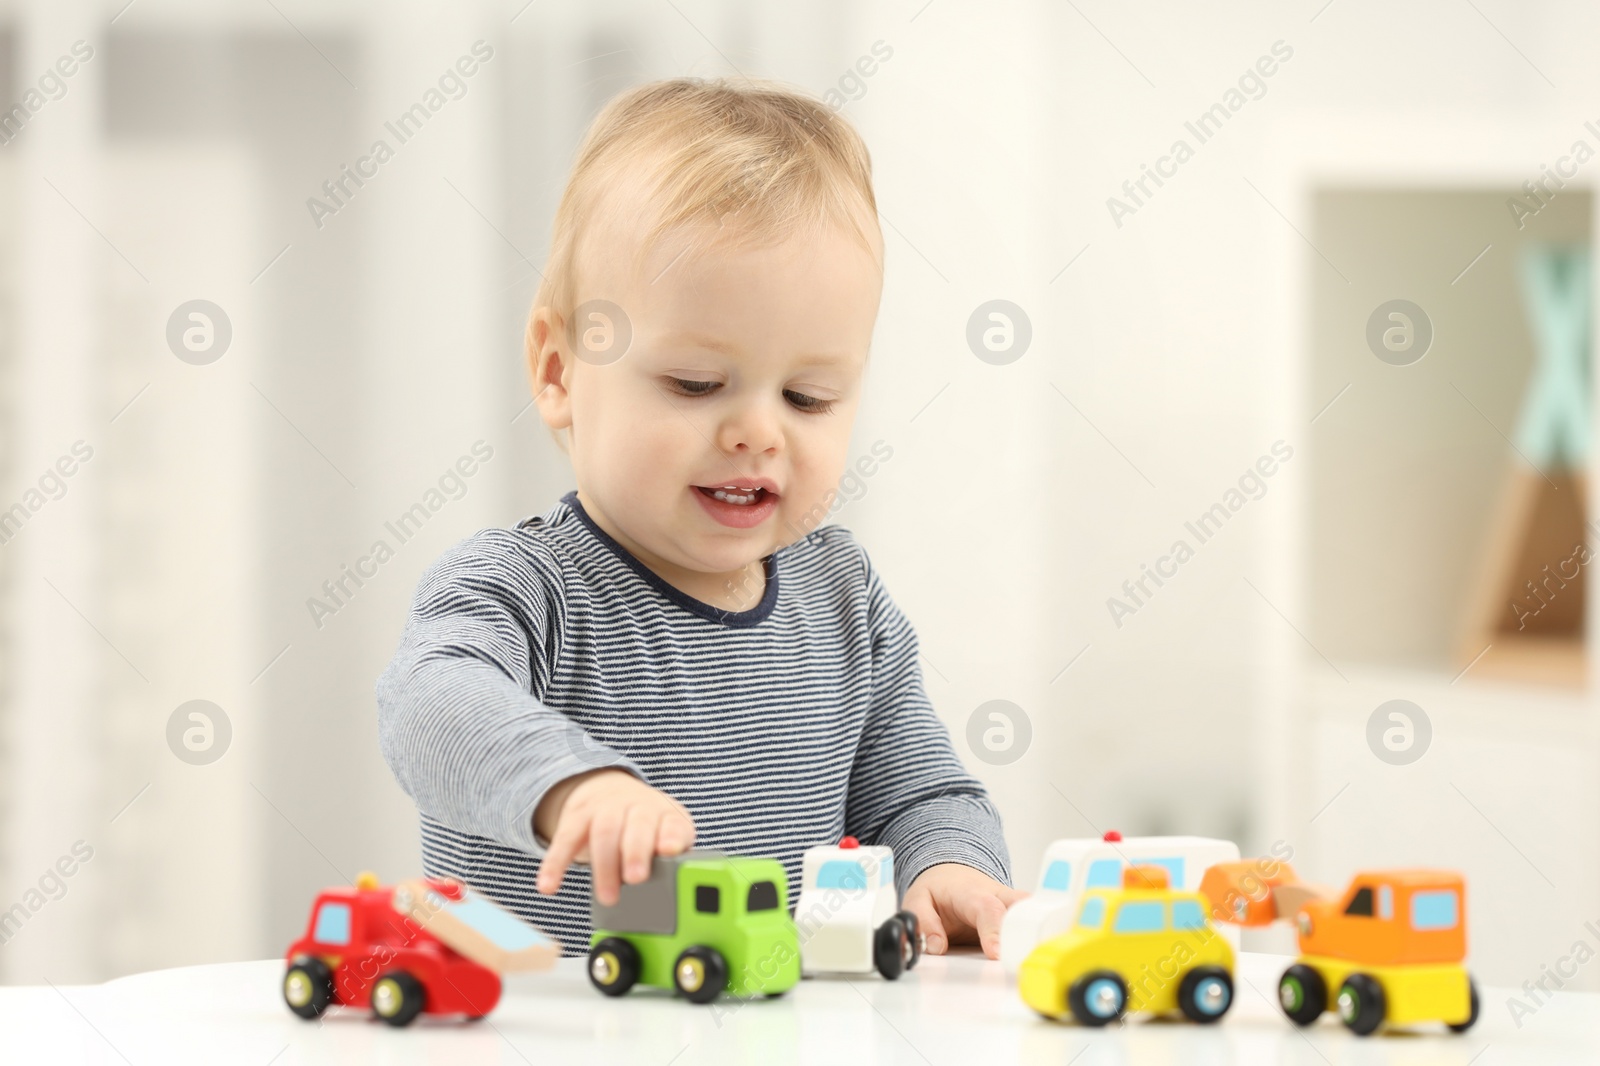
733 494
739 506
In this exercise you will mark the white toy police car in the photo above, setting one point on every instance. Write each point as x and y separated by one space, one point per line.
849 916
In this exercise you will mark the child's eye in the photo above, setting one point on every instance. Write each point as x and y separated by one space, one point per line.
808 403
690 387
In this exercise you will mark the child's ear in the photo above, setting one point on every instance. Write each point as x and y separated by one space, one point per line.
550 367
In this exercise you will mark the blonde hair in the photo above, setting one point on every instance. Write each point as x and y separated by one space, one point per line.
769 159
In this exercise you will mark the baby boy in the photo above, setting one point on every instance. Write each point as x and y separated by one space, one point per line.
675 653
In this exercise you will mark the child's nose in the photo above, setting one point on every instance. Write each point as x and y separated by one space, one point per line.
751 428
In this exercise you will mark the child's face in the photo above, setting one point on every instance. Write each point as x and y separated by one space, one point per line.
745 367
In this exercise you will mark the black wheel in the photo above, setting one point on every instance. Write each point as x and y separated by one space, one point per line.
1205 994
397 998
1472 1016
891 947
700 973
1361 1004
914 935
1302 994
1098 998
613 966
308 987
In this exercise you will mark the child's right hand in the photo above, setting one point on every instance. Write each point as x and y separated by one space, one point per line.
615 822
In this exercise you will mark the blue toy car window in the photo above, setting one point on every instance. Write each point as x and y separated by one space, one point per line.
1385 901
886 871
841 873
1093 913
1105 873
1434 910
1058 878
1174 868
1187 914
1141 917
333 924
763 897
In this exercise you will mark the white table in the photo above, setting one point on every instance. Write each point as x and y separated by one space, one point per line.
956 1009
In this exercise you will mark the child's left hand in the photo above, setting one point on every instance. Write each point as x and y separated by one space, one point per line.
956 904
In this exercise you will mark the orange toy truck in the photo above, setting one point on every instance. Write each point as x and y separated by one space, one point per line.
1391 946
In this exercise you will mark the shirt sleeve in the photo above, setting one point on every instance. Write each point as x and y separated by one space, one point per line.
908 788
458 721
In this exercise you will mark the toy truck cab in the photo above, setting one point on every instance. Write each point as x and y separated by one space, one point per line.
849 915
1071 867
1389 950
1392 946
422 946
1143 947
702 923
1388 917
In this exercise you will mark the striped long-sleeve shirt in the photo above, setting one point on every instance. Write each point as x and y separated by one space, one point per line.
535 653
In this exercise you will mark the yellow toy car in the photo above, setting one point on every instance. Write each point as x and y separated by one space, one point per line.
1143 947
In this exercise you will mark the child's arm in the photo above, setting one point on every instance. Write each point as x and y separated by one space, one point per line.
909 790
465 736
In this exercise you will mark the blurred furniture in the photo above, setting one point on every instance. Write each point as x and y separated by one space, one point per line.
1526 615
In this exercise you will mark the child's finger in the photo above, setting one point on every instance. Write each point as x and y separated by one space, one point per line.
934 939
984 912
605 851
639 844
571 834
675 834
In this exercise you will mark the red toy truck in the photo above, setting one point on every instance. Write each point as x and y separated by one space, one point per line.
422 946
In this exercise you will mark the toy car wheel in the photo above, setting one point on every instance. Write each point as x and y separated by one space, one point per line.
913 934
1302 994
613 966
700 973
1205 994
308 987
1472 1016
397 998
1361 1004
891 948
1098 998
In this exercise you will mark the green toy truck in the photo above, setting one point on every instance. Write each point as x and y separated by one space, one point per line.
704 923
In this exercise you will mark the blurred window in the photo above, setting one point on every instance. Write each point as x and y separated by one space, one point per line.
1058 878
1141 917
841 873
1093 913
1360 904
1105 873
333 924
763 897
1434 910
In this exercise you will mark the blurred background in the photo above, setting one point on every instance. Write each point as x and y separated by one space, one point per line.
1288 304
